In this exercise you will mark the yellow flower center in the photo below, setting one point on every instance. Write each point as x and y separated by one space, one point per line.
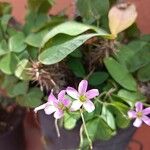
82 98
61 106
139 114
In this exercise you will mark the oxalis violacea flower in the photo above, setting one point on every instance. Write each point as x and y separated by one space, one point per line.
140 115
82 97
54 105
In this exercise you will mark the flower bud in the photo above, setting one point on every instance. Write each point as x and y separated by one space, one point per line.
121 16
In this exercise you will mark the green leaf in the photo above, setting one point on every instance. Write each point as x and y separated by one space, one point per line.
21 71
34 22
98 78
9 63
31 99
120 74
5 8
108 117
51 2
121 106
33 53
77 67
3 47
4 22
57 53
99 129
92 9
126 52
144 73
71 28
76 54
69 121
39 6
20 88
116 98
122 121
132 32
131 97
35 39
16 43
140 59
8 84
145 38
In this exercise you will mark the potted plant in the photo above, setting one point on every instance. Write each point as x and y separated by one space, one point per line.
93 71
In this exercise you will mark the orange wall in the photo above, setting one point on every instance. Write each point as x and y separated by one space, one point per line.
143 20
143 7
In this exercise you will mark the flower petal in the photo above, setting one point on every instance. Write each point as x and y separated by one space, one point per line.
88 106
131 114
50 109
61 95
146 120
76 105
92 93
139 106
146 111
40 107
137 123
58 114
72 92
66 102
52 98
82 88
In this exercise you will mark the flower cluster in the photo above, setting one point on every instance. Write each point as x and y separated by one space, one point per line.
59 105
140 115
82 98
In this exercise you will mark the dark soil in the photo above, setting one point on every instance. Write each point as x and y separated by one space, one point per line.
8 120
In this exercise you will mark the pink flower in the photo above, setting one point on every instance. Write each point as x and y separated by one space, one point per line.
140 114
56 106
82 97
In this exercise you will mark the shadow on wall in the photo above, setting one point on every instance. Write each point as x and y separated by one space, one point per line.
67 5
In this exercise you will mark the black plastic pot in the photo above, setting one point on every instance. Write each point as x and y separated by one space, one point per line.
14 138
69 140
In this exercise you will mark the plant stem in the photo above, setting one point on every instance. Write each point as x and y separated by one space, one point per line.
102 94
148 105
86 132
108 94
99 101
81 136
90 73
57 128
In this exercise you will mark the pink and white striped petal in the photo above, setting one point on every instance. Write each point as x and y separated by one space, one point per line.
82 88
88 106
58 114
66 102
146 120
146 111
52 98
72 92
40 107
92 93
50 109
61 95
132 114
138 122
76 105
138 106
